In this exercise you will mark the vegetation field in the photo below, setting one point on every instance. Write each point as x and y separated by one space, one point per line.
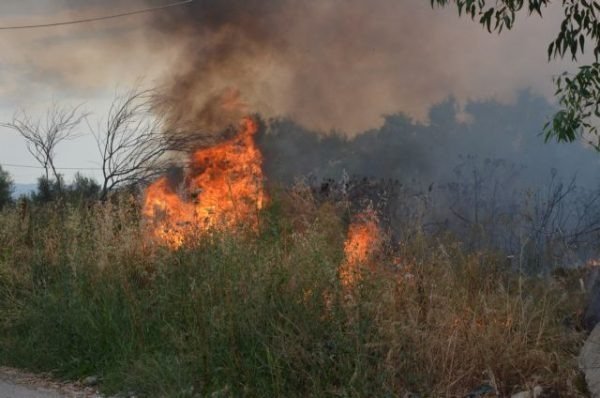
84 291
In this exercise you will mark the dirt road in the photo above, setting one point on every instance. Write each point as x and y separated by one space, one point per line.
18 384
11 390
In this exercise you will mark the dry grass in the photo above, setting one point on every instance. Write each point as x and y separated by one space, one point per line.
82 291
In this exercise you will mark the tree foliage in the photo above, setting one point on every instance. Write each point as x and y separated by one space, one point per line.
81 189
47 190
6 188
578 93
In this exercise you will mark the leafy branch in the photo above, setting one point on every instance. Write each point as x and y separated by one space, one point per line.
578 94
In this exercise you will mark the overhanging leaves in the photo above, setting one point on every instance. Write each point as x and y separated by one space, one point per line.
578 94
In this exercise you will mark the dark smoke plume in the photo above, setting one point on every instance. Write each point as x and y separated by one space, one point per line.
333 64
226 42
327 64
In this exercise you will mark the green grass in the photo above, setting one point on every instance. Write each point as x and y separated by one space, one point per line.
83 292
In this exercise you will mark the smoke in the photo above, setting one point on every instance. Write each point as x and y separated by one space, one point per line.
327 64
491 181
375 67
343 64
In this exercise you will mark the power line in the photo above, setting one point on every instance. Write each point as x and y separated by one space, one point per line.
100 18
28 166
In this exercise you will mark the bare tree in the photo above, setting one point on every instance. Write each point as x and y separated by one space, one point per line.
133 141
43 135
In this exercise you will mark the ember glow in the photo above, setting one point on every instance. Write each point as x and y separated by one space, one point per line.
361 244
223 188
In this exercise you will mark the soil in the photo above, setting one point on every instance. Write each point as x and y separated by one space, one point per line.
19 384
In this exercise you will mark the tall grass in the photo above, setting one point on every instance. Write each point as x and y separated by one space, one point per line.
83 292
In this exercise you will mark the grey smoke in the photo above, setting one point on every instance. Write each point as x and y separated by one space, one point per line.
342 64
327 64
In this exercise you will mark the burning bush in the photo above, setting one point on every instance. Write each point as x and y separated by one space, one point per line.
223 188
363 242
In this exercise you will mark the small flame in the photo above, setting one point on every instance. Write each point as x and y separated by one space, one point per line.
592 263
223 188
360 246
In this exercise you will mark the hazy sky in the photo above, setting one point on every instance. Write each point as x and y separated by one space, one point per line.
330 64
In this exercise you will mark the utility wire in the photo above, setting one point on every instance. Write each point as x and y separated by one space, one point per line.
27 166
100 18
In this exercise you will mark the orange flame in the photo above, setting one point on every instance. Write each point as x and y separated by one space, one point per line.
361 244
223 189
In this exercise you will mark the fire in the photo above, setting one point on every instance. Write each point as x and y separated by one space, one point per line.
361 244
223 188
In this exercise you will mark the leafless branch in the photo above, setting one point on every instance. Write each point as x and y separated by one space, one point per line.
42 136
133 141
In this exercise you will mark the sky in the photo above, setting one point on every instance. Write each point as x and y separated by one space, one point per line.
328 64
